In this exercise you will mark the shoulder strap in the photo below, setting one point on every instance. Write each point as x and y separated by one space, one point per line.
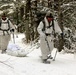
53 25
0 23
8 24
44 25
53 28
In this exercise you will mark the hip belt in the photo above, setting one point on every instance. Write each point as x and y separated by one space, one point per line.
5 31
48 34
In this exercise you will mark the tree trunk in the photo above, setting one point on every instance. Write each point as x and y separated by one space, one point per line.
60 22
27 29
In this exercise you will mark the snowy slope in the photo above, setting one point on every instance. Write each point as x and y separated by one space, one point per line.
32 64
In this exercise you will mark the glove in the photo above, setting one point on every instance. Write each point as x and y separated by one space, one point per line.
12 30
62 35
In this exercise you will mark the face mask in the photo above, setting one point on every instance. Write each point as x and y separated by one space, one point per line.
49 19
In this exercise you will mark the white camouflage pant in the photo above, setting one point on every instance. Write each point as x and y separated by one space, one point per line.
4 40
46 46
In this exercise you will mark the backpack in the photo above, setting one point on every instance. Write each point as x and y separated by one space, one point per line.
40 17
4 29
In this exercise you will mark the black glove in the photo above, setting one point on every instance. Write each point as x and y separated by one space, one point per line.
12 30
62 35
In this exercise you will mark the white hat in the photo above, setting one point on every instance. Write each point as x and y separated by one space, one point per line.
49 14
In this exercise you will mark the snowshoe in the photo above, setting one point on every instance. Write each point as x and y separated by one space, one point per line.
50 57
46 61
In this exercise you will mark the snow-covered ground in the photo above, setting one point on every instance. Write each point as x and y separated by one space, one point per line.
65 64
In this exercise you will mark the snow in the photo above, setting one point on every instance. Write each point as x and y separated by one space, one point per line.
12 4
10 9
32 64
1 12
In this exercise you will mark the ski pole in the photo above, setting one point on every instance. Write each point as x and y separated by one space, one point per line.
47 43
13 37
55 56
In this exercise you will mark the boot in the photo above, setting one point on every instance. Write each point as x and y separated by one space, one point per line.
49 57
45 61
3 51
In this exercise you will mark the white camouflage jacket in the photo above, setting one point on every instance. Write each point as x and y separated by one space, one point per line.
48 30
4 26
